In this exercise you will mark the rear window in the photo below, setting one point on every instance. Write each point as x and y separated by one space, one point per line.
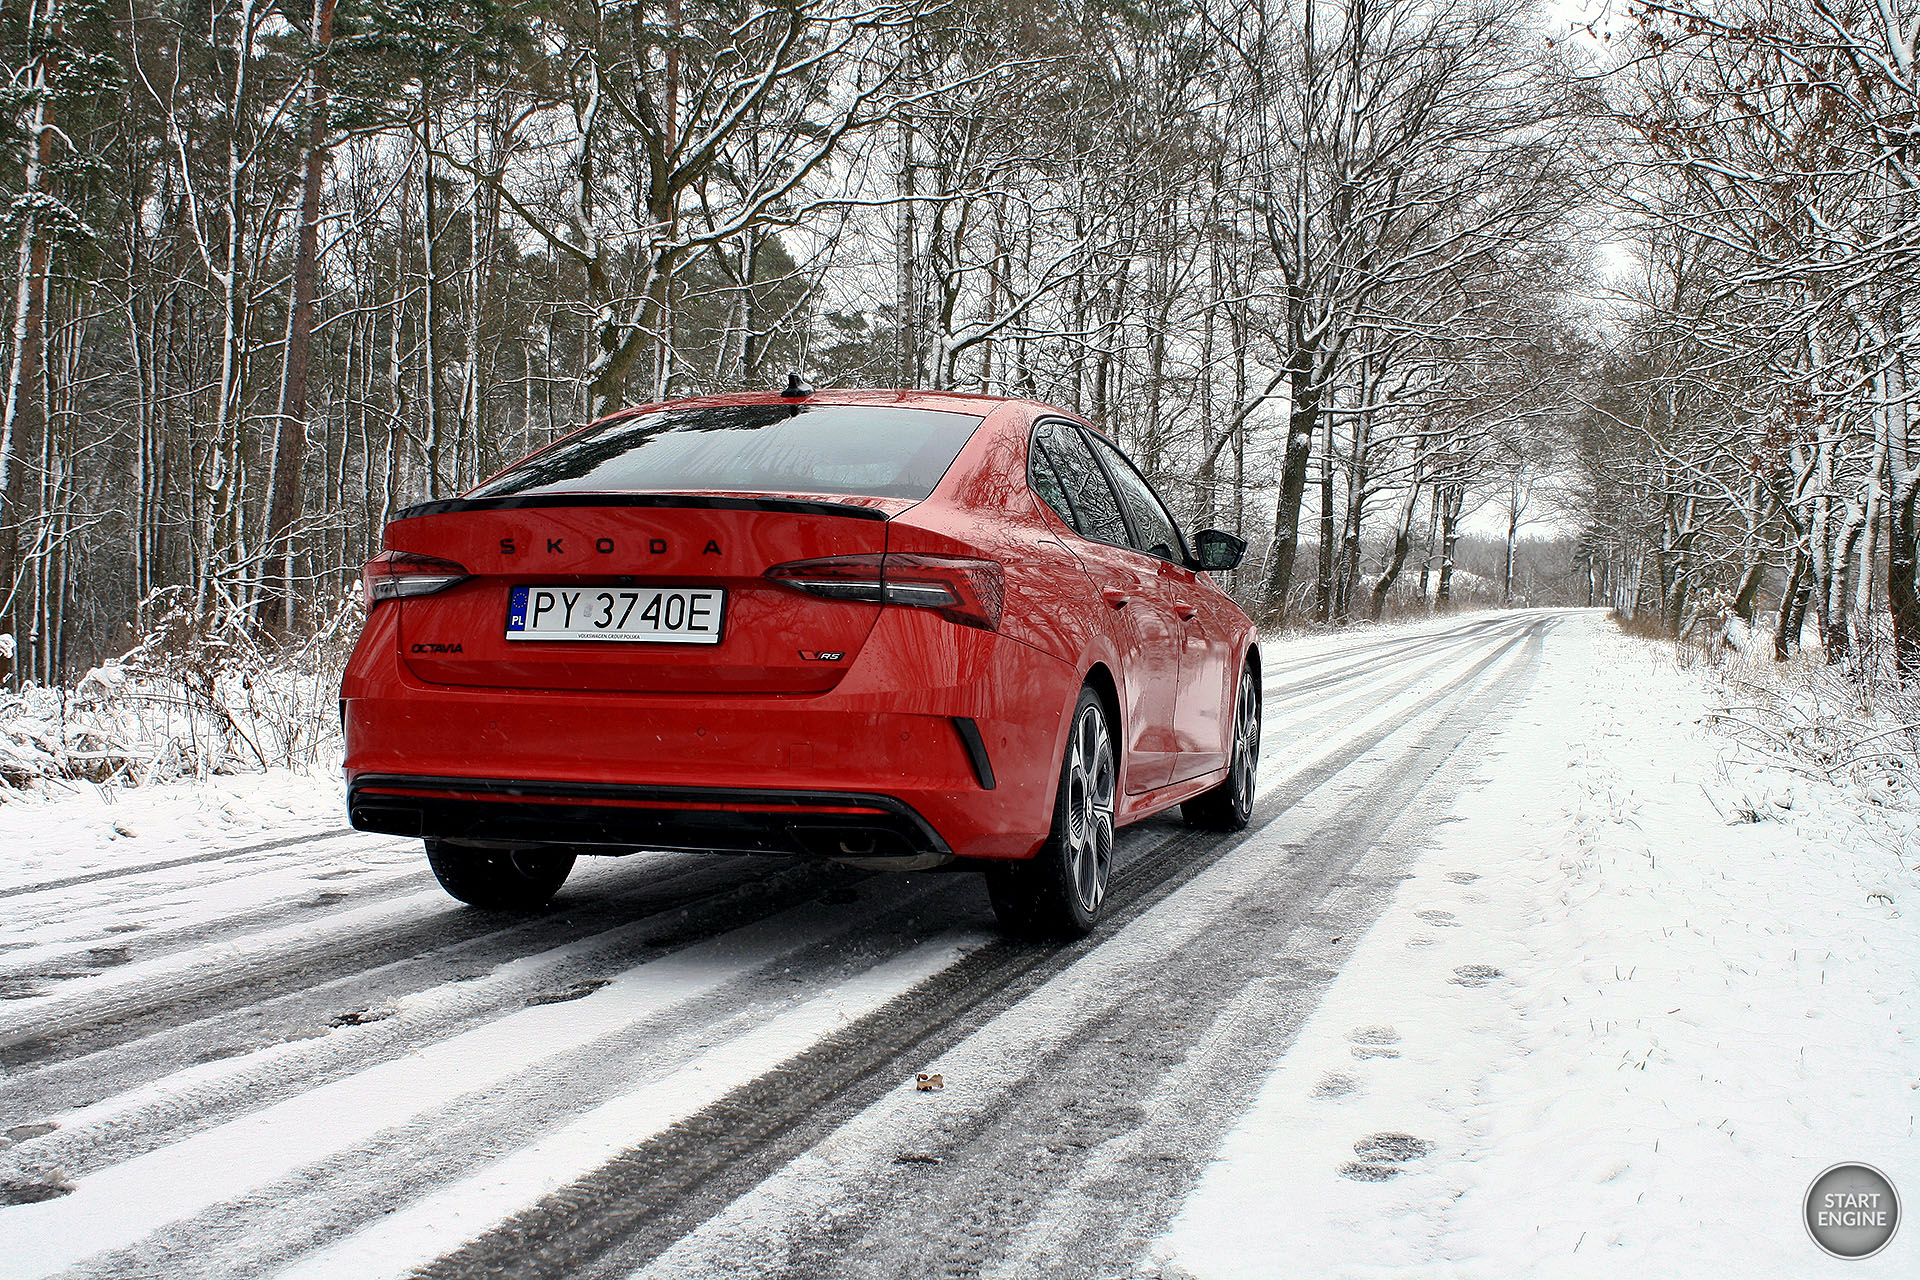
870 450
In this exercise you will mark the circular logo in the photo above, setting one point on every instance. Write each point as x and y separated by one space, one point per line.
1852 1211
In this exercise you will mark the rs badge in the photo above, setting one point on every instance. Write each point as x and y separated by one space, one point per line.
813 656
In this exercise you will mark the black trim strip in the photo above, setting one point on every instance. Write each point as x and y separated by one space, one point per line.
694 501
976 751
371 797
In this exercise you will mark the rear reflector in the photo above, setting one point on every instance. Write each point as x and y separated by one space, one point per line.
394 575
966 591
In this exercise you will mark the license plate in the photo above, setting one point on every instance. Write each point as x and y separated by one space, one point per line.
674 615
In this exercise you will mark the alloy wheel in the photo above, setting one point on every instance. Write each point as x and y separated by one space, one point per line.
1090 790
1246 742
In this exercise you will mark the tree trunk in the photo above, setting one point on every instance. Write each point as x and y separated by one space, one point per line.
1903 593
1347 582
397 407
1749 589
1206 479
470 464
906 266
1323 559
749 320
1513 533
1422 591
1302 418
1786 635
429 313
1449 535
1402 544
1836 619
1396 557
1869 545
290 442
661 305
222 531
29 318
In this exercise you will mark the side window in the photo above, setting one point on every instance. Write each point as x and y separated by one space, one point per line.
1098 511
1045 476
1159 536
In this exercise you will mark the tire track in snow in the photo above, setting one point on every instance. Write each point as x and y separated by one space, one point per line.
644 914
1340 648
181 917
122 873
119 1205
572 1089
1305 693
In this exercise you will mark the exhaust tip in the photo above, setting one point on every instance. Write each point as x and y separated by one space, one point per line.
392 820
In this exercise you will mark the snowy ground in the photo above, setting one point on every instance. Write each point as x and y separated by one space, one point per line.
1601 1031
1490 989
63 829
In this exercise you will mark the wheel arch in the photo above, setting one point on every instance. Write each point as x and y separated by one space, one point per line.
1100 679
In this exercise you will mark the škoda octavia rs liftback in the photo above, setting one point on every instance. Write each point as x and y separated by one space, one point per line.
899 629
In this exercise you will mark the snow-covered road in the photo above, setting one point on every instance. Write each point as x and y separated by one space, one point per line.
297 1056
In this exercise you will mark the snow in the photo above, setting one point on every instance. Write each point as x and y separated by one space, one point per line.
1290 646
1600 1031
61 830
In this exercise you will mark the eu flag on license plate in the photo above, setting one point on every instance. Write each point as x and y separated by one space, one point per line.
517 612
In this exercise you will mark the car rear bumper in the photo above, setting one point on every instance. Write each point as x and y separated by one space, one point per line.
824 824
949 757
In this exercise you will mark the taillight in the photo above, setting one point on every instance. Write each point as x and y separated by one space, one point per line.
394 575
966 591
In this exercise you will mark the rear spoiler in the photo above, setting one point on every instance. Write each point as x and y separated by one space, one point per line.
696 501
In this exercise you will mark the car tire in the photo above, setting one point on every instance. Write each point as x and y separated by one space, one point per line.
499 879
1229 806
1058 893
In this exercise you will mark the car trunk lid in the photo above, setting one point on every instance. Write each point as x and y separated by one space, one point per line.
772 639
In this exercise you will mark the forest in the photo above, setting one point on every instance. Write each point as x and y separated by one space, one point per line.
1615 299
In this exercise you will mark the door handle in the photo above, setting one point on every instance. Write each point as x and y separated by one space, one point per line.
1115 597
1185 610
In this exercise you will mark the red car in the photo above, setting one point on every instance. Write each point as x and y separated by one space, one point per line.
894 628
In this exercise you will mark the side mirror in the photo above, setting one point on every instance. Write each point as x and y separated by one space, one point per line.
1217 551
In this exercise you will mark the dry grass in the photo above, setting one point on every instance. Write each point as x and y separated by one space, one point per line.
1855 722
